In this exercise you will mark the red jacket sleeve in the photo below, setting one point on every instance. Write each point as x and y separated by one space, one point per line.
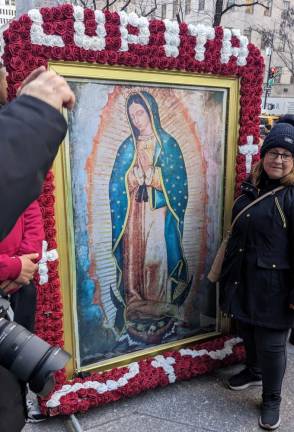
10 267
33 234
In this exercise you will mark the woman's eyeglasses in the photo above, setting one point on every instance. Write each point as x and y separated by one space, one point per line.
286 157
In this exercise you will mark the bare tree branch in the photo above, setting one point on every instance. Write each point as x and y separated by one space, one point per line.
150 12
244 5
125 5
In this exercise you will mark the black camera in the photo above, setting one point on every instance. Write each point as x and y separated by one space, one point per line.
27 356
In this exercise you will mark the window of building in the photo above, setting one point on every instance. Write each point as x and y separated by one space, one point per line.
268 11
250 8
187 7
7 2
12 2
201 5
163 11
175 9
248 32
286 5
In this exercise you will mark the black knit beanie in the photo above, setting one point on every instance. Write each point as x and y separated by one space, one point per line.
281 135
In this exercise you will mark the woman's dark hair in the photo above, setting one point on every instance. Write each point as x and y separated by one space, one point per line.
138 99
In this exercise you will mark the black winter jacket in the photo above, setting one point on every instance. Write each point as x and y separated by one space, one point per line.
30 134
257 279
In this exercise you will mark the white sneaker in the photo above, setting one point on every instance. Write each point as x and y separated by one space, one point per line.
34 413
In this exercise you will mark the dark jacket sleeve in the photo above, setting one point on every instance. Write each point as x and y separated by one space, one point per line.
30 134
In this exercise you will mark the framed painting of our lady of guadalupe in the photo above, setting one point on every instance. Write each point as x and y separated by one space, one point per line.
142 186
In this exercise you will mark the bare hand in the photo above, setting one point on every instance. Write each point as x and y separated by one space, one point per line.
291 306
28 268
10 287
48 87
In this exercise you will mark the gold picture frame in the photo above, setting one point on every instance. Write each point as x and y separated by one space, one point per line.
64 203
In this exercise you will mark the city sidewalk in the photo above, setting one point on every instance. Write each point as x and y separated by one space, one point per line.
200 405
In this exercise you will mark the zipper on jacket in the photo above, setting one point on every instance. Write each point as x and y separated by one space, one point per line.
281 212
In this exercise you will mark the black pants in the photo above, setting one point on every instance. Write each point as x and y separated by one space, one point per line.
266 355
23 303
12 407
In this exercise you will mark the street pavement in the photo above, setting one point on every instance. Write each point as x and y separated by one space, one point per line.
203 404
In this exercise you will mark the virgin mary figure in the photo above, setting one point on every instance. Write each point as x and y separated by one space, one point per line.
148 193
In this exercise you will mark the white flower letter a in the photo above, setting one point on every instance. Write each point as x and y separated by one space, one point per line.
37 33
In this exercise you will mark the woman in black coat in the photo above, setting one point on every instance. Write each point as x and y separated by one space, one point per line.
256 284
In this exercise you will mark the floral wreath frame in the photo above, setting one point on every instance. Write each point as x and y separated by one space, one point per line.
71 33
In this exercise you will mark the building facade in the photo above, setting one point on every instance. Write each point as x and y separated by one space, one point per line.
7 11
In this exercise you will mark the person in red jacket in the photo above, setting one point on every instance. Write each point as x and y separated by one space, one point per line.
19 253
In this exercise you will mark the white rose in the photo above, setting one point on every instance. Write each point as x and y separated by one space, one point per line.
79 28
35 16
123 17
100 31
132 38
99 17
78 13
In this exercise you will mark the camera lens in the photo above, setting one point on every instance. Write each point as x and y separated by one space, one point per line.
28 357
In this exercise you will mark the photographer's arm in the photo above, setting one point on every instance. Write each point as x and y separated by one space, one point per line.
31 129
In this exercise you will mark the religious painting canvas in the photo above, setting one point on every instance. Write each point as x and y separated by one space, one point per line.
147 165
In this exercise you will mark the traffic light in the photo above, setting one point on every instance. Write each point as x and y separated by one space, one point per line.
272 72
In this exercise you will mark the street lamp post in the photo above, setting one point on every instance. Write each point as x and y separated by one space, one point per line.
269 53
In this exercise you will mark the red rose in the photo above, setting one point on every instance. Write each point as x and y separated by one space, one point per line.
154 61
42 62
163 63
50 233
26 45
90 27
218 32
83 405
49 222
91 56
102 56
113 43
57 13
48 187
57 53
15 26
25 33
60 28
156 26
49 28
54 283
132 30
17 76
89 14
14 49
47 200
115 19
52 244
25 20
144 61
112 30
47 14
17 64
67 11
22 55
183 28
112 57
